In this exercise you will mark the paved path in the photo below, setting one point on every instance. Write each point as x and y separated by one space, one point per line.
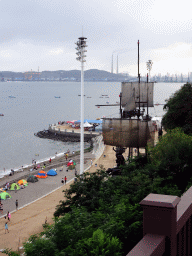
29 220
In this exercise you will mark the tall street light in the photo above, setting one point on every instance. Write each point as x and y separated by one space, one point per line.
149 67
81 44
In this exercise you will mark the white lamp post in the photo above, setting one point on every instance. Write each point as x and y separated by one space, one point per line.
81 44
149 67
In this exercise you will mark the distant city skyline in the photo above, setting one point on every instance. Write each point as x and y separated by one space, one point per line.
43 32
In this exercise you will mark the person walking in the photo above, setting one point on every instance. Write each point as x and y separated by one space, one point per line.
8 216
50 160
66 155
62 181
65 180
16 204
1 208
6 227
15 187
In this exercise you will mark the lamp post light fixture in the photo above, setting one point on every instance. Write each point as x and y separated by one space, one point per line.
81 44
149 67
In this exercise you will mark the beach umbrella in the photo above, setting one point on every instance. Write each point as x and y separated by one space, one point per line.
52 172
5 195
24 182
71 162
13 186
32 179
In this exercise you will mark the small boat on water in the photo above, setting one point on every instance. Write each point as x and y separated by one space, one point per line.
1 114
101 97
12 97
58 97
89 97
104 95
107 102
80 95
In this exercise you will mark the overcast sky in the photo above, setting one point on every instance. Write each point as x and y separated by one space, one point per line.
42 33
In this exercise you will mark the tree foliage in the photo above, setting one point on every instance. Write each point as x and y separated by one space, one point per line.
179 110
172 157
101 214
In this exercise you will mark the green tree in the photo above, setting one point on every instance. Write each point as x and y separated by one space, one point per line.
100 244
172 157
179 110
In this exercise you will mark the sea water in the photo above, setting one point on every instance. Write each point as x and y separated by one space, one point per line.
35 107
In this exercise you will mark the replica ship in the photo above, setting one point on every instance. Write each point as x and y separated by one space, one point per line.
134 128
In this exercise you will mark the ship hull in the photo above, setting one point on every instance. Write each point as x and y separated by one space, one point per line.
133 133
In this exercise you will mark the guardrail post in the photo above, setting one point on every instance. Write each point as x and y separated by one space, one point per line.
160 217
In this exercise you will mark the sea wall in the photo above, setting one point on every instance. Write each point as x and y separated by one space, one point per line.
65 135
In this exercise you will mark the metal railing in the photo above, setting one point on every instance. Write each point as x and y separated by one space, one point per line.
166 226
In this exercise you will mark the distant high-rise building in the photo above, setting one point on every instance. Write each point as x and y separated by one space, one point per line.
190 77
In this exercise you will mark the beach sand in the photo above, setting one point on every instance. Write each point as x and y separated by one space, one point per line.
29 220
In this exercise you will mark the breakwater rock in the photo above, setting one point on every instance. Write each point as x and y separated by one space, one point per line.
64 136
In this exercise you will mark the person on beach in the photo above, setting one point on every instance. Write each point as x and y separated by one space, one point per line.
15 188
65 180
6 227
44 165
16 204
62 181
75 172
50 160
66 155
8 216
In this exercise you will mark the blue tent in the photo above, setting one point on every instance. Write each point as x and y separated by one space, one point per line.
90 121
52 172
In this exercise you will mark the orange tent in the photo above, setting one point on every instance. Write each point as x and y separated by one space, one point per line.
24 182
41 174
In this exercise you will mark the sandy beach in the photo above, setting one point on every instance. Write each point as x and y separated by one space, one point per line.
29 219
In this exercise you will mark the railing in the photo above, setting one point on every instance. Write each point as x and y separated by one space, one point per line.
166 226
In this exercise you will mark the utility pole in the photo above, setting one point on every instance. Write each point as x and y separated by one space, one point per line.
112 65
117 65
81 44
